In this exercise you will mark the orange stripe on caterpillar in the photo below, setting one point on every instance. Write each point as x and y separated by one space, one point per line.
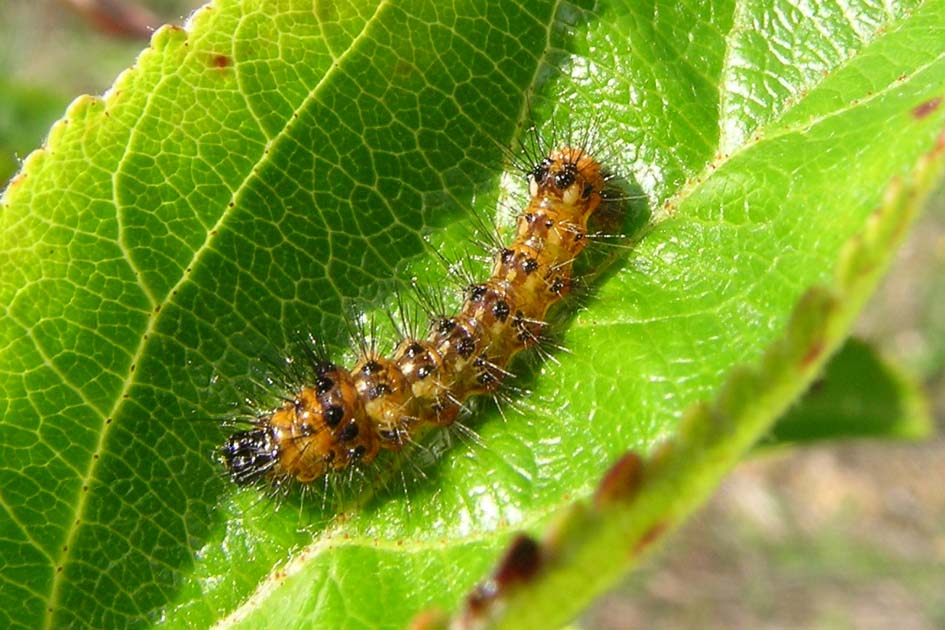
347 417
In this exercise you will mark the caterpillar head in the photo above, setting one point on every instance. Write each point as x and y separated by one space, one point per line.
568 174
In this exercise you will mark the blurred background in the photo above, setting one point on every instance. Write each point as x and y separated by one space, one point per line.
844 534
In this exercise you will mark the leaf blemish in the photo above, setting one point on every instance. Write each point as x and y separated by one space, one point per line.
926 108
812 353
521 562
220 60
649 537
621 481
403 69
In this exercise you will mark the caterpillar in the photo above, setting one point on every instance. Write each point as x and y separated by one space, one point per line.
346 417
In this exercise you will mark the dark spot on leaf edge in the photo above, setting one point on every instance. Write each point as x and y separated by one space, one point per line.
924 109
621 481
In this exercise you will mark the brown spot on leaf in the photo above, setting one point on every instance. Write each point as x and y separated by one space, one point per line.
220 61
815 350
430 619
404 69
521 562
621 482
479 598
926 108
651 536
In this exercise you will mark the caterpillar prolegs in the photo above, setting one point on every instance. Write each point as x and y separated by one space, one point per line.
346 417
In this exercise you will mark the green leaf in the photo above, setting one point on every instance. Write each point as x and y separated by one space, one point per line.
639 500
274 166
859 395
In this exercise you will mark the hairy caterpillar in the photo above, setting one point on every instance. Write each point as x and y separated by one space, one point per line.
346 417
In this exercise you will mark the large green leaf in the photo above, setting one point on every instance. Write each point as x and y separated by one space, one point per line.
273 166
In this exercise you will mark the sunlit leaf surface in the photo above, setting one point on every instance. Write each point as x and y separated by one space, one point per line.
274 167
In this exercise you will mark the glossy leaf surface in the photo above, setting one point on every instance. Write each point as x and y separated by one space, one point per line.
273 167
